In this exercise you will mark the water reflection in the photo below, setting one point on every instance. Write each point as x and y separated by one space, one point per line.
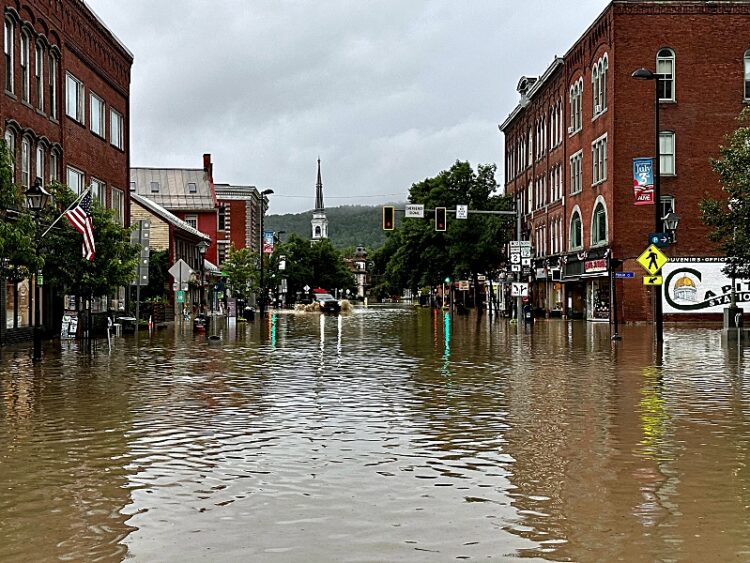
384 434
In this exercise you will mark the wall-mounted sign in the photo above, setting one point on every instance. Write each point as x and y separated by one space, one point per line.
591 266
698 285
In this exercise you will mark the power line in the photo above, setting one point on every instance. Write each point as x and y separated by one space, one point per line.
275 195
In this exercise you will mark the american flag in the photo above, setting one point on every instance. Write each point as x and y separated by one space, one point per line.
82 221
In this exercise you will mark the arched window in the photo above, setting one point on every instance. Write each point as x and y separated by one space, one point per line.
10 141
54 165
576 231
39 162
603 79
747 74
25 163
10 39
599 224
595 89
665 72
25 67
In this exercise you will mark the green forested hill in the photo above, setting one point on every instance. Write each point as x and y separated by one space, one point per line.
348 226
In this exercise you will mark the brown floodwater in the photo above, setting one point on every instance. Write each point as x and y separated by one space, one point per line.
384 435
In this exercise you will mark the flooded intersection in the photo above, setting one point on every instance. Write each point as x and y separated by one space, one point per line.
389 434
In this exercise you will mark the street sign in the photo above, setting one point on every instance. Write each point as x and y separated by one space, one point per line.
463 285
180 271
515 267
652 280
515 244
519 289
525 261
306 288
515 258
180 296
652 259
462 211
415 211
526 253
661 240
623 275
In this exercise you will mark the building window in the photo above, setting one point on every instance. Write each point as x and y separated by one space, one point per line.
599 225
40 158
25 163
154 187
599 159
96 107
666 153
25 71
576 106
576 169
53 66
576 231
747 74
74 98
10 141
599 83
54 166
222 218
118 204
192 188
667 206
99 191
665 73
115 129
132 186
10 38
192 220
75 180
39 76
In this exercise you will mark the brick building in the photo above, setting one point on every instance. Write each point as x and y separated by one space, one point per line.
239 218
571 141
65 114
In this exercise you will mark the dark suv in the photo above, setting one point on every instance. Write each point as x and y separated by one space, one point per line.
328 303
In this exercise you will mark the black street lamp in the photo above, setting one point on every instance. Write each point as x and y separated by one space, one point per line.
36 200
202 247
262 296
645 74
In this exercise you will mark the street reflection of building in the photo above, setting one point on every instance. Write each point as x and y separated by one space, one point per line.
571 140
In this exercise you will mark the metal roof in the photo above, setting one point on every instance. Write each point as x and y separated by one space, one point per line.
159 211
173 187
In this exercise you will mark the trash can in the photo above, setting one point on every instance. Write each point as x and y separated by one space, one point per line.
249 314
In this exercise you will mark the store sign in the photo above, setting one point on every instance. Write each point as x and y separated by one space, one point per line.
591 266
698 285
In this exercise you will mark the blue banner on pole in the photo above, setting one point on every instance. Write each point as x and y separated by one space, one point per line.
643 181
267 242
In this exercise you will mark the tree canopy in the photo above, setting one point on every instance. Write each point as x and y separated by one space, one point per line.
729 217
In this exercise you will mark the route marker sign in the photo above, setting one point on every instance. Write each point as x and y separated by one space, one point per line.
652 259
653 280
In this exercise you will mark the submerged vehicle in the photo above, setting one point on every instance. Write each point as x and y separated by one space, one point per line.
328 303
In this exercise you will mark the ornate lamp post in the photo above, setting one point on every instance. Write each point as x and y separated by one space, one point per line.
262 296
36 200
645 74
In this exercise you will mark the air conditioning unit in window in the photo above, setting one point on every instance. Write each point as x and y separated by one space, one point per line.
597 109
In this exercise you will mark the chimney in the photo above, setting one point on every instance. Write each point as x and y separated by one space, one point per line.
208 166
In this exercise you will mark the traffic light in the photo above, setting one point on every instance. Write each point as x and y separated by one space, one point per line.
388 215
440 222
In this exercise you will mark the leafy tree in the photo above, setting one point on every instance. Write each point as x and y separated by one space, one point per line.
729 217
158 270
17 256
424 257
66 269
241 270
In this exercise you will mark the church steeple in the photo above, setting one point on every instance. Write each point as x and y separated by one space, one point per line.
319 220
319 192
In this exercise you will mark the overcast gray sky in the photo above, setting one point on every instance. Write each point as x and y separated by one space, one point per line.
386 92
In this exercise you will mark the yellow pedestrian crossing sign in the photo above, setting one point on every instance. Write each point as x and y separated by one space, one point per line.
652 259
653 280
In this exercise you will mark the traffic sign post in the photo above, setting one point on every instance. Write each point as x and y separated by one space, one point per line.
653 280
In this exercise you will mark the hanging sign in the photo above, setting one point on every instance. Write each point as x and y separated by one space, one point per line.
643 181
267 242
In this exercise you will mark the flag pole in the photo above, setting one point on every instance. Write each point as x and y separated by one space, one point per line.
71 206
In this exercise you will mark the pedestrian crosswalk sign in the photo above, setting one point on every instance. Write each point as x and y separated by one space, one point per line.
652 259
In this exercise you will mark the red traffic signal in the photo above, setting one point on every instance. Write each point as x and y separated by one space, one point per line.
388 216
440 222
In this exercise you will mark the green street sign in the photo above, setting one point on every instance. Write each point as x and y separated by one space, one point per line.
180 296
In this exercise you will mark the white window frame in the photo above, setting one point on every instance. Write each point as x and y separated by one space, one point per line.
54 166
746 90
39 75
78 178
99 191
41 157
600 240
667 205
74 98
576 173
116 128
10 58
599 160
662 58
54 66
192 220
25 64
667 157
101 115
10 141
576 212
25 162
118 204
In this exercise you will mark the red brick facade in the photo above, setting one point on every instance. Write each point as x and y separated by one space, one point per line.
709 89
65 39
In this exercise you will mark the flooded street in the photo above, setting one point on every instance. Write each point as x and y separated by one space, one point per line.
388 434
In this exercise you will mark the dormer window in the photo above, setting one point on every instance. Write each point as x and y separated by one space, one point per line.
154 187
192 188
